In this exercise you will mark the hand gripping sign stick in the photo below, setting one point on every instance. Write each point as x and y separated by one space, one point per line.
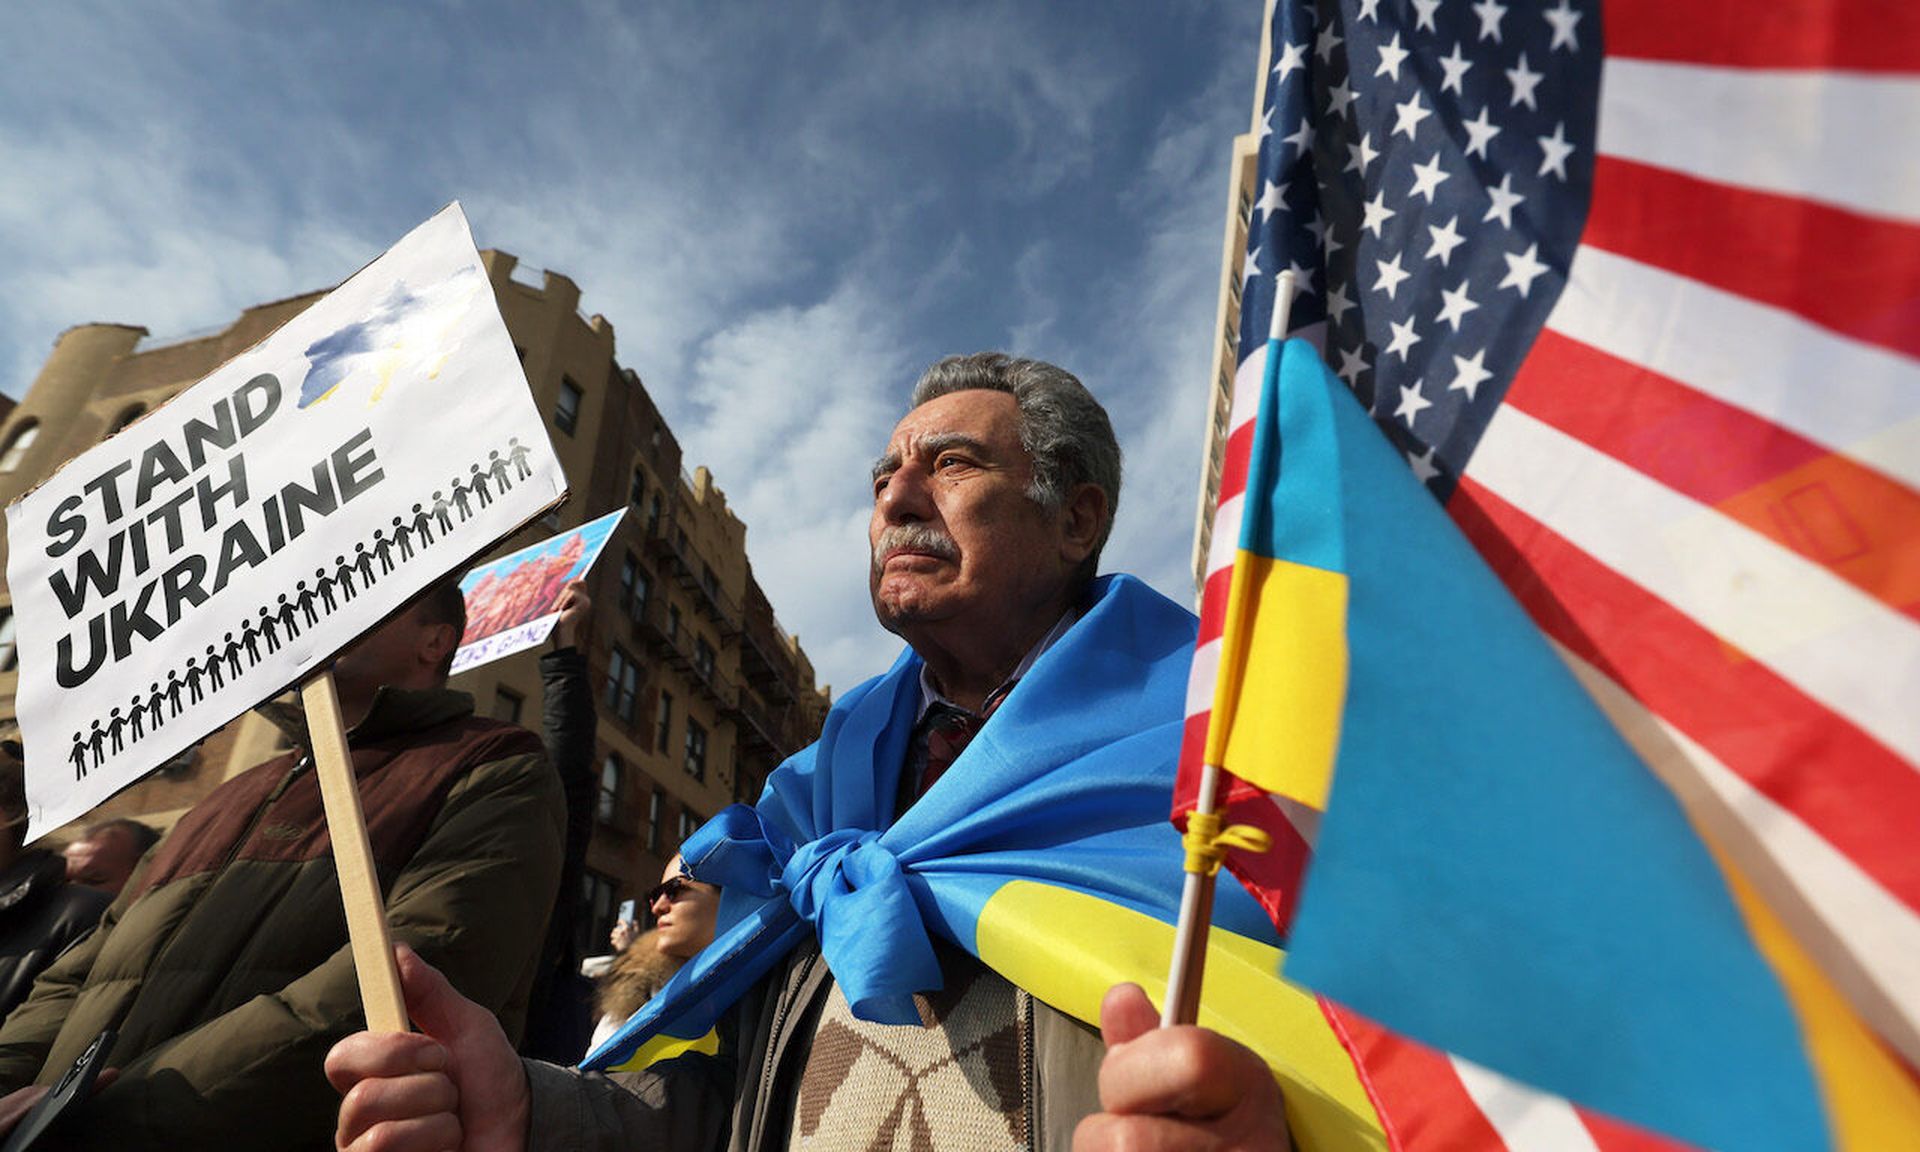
353 857
1206 841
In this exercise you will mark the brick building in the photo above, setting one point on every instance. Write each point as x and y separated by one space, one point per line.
700 691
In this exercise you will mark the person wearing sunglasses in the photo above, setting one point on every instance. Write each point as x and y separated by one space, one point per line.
683 917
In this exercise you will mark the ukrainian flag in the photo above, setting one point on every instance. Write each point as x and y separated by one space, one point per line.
1497 874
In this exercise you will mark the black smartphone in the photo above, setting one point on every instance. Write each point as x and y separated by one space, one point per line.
73 1088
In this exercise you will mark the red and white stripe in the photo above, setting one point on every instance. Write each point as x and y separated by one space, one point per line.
1705 481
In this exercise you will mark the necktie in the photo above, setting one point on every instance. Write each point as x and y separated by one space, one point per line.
948 729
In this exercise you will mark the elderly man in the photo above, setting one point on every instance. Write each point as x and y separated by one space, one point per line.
223 965
991 504
105 854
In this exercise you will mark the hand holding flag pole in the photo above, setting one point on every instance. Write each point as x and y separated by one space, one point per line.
1206 841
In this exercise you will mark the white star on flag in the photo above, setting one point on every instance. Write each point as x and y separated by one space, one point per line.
1563 18
1272 199
1292 56
1423 466
1377 213
1338 302
1522 270
1469 373
1455 306
1360 155
1327 41
1423 14
1403 339
1445 239
1339 97
1481 132
1455 67
1427 177
1490 12
1352 363
1409 115
1412 403
1524 81
1391 274
1505 200
1391 57
1556 150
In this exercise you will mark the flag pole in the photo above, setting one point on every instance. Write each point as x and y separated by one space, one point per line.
372 944
1188 966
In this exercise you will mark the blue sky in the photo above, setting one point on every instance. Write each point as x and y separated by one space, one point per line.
785 210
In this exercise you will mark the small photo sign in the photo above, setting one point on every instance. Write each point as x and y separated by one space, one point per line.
513 603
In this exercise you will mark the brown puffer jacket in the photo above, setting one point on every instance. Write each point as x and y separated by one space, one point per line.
224 964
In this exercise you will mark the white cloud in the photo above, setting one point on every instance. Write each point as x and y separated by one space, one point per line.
785 212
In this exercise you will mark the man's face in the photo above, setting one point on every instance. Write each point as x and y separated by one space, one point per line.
102 862
954 535
400 652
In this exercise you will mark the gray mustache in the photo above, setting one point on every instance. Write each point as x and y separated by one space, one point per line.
914 538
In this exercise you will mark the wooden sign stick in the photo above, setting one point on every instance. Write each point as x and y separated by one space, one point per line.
353 858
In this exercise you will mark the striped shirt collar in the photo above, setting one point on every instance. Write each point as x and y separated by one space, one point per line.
930 694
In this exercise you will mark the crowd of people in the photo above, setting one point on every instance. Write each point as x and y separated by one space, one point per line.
218 955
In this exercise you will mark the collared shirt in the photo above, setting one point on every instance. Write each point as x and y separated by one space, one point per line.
930 694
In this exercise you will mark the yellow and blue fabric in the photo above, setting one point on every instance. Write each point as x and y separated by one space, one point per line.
1045 852
1497 874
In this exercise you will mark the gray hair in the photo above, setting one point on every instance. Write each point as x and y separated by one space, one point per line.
1062 427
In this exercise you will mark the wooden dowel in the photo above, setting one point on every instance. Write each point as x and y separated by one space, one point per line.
353 858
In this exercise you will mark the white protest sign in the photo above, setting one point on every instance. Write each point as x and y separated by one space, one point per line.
513 603
227 545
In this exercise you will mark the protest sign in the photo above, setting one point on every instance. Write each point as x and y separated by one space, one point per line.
230 543
513 603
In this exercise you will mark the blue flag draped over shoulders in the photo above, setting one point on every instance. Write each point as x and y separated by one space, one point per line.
1066 785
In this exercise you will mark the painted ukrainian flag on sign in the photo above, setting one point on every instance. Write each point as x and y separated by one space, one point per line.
1497 874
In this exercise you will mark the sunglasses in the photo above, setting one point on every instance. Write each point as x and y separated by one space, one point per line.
672 888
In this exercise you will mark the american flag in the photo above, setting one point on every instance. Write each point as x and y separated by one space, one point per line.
1639 300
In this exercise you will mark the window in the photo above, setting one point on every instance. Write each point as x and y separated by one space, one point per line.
9 647
708 582
656 809
673 622
566 413
703 656
597 899
17 447
637 491
127 416
623 684
610 772
689 824
506 705
662 720
633 587
653 514
696 750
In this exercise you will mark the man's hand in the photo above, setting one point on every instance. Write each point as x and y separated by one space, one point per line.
15 1105
457 1086
576 613
1177 1088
